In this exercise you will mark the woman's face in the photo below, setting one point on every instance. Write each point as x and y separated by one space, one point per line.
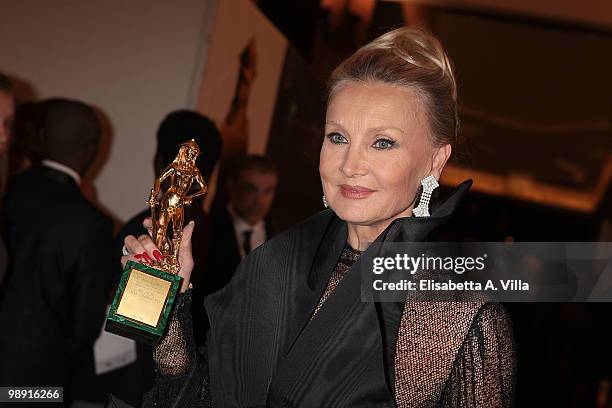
7 113
376 151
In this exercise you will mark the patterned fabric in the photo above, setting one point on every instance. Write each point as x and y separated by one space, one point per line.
347 258
487 348
181 368
171 355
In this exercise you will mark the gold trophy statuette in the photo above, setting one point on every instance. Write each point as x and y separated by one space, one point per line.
143 302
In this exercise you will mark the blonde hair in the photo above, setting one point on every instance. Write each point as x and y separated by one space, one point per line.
408 57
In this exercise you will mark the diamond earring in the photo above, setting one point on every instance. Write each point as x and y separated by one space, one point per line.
429 184
325 201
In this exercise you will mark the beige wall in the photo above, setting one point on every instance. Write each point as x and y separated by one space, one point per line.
136 60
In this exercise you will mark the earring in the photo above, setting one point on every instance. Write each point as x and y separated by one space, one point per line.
429 184
325 201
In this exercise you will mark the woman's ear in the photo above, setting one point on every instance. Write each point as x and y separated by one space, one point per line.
439 158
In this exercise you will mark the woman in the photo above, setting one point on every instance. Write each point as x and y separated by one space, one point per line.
290 329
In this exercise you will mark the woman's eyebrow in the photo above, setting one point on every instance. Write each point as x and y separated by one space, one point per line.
383 128
372 130
331 122
377 129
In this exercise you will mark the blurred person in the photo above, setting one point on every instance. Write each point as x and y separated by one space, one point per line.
291 329
176 128
7 110
53 302
26 142
243 224
7 113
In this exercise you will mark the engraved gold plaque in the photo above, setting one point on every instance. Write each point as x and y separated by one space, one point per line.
143 303
144 297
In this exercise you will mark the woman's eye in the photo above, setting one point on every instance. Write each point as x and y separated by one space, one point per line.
383 144
336 138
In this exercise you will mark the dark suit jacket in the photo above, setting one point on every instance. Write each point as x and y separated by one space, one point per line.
224 256
53 300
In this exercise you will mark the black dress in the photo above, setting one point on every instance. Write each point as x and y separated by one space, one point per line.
280 337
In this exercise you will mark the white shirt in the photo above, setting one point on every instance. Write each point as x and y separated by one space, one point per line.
64 169
258 236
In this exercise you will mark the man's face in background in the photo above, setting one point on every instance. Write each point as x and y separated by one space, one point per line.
252 194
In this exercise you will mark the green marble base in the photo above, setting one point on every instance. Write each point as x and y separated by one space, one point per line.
143 303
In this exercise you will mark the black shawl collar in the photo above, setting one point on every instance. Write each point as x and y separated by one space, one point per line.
265 350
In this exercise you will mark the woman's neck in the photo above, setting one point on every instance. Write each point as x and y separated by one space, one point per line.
361 236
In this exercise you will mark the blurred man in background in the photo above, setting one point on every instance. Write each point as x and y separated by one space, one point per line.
243 224
53 301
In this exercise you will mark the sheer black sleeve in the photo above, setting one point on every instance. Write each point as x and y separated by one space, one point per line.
181 368
483 374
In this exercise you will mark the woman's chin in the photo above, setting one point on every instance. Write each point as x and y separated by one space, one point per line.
355 215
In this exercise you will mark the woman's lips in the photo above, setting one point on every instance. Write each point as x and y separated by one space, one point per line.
355 191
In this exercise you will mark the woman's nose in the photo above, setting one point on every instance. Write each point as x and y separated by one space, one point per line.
354 162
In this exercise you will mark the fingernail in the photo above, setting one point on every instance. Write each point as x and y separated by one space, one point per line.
147 258
158 255
138 256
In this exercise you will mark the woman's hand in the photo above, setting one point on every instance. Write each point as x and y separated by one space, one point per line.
142 249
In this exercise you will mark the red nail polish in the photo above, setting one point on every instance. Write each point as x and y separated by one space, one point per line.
138 256
147 258
158 255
